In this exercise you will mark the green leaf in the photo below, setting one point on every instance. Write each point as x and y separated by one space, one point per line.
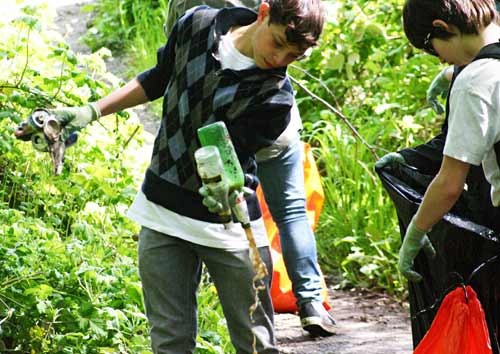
336 62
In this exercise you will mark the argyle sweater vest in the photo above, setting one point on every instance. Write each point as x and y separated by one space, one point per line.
254 104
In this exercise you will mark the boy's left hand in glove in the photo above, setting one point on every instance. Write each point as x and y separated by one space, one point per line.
438 88
414 240
391 159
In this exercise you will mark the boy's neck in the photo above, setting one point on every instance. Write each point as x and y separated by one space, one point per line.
241 37
490 34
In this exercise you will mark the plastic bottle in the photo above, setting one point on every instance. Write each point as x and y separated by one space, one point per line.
211 171
216 134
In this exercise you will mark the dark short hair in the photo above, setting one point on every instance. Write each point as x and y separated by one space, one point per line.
303 19
467 15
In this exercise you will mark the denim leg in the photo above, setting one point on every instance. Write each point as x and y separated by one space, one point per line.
177 8
282 181
170 273
232 274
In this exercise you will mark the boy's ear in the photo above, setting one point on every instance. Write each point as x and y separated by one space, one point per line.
446 27
441 24
263 11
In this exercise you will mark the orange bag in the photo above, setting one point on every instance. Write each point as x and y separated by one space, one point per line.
458 328
281 287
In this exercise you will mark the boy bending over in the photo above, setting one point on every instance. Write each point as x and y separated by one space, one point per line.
458 32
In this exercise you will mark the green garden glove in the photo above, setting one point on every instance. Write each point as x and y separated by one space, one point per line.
438 87
414 240
67 121
214 197
55 130
73 119
390 159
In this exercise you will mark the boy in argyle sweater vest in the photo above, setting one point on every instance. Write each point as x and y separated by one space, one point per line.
281 174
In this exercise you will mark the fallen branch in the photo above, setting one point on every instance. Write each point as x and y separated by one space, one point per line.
337 112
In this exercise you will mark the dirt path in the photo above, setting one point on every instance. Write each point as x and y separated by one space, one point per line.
72 24
368 323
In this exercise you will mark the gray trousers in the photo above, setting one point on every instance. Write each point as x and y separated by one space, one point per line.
170 270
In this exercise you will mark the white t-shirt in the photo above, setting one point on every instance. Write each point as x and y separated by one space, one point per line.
160 219
474 120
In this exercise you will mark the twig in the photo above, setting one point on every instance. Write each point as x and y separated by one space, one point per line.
35 92
4 303
12 281
317 79
130 137
60 80
27 59
338 114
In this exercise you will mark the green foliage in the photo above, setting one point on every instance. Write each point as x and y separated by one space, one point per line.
213 336
134 27
68 272
357 234
68 278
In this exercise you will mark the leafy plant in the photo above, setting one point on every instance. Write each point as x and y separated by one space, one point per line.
68 279
134 27
68 273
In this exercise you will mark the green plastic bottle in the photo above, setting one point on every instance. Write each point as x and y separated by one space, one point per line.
216 134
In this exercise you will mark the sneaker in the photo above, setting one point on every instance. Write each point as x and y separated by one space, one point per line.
316 320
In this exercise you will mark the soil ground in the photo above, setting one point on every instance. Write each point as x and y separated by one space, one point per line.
368 323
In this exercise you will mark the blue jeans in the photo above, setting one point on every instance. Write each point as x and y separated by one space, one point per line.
282 181
170 270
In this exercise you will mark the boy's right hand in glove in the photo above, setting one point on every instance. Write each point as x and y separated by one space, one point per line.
54 130
390 159
215 197
70 120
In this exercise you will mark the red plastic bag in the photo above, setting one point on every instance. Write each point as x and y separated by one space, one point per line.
458 328
281 287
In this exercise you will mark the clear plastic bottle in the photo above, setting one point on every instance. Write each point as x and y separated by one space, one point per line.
211 171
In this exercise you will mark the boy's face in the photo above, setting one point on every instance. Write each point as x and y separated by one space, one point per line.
270 47
451 51
456 50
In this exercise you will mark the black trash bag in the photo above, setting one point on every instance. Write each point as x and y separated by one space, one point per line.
465 239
